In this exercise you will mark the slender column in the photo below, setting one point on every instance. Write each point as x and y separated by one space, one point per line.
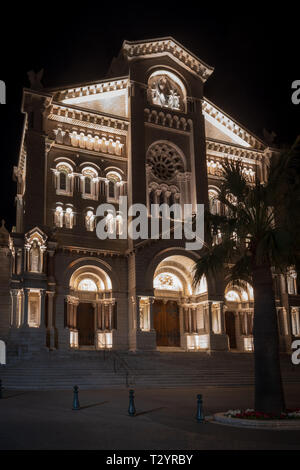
181 319
151 320
209 317
99 316
194 329
137 312
110 311
14 304
222 318
50 309
185 320
42 308
190 328
75 315
26 295
102 316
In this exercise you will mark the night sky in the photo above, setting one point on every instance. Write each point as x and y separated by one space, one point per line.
255 54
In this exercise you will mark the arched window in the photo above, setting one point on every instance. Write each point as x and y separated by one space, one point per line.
90 221
113 185
58 216
110 223
64 179
89 183
165 89
214 203
292 281
69 218
87 285
167 281
119 224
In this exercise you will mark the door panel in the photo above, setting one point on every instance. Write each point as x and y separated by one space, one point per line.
166 323
230 329
86 324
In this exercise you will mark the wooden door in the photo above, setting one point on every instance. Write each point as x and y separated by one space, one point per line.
166 323
230 329
86 324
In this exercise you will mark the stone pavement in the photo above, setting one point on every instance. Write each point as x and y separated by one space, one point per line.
165 420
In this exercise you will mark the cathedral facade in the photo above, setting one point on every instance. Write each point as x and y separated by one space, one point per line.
147 133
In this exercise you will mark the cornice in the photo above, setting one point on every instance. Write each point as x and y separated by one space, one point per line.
90 88
167 46
79 150
221 148
79 117
230 126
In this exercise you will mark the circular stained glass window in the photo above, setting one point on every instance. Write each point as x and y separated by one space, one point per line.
165 161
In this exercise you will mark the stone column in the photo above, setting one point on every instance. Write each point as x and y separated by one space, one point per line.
151 320
110 310
50 324
209 317
14 304
222 317
42 308
99 316
25 317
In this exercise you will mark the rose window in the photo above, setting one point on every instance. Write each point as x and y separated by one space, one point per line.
165 161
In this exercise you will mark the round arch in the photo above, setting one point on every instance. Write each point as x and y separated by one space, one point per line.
156 264
99 267
239 292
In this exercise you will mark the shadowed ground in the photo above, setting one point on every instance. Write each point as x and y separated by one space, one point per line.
165 420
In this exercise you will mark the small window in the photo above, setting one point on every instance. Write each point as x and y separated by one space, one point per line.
113 184
87 185
111 189
62 181
64 174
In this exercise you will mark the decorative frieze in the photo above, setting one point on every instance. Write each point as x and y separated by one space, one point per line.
91 90
89 141
78 117
168 46
167 119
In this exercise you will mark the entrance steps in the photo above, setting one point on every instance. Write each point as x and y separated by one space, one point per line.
98 369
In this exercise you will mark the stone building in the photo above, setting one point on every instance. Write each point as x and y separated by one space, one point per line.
147 132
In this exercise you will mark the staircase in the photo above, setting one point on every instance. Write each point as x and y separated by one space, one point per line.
109 369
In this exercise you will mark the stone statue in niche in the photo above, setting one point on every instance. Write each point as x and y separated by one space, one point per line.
35 258
164 95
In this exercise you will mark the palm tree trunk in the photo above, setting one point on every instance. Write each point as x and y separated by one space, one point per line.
269 396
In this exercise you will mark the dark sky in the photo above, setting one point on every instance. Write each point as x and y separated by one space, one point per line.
255 54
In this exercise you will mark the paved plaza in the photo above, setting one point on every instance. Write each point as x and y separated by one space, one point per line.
165 420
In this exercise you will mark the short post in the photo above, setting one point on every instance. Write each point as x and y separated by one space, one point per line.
1 389
76 405
131 409
199 416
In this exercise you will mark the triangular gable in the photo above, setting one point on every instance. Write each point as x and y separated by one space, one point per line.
220 126
170 47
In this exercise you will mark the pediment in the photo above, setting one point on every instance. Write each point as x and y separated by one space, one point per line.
36 233
221 127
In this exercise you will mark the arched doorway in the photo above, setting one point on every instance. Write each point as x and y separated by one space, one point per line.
176 307
230 328
90 313
239 315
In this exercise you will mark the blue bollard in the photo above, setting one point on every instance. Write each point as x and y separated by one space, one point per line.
76 405
131 409
200 415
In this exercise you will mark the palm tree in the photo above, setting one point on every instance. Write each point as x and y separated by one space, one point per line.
259 232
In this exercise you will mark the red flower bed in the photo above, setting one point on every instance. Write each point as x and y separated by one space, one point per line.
252 414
